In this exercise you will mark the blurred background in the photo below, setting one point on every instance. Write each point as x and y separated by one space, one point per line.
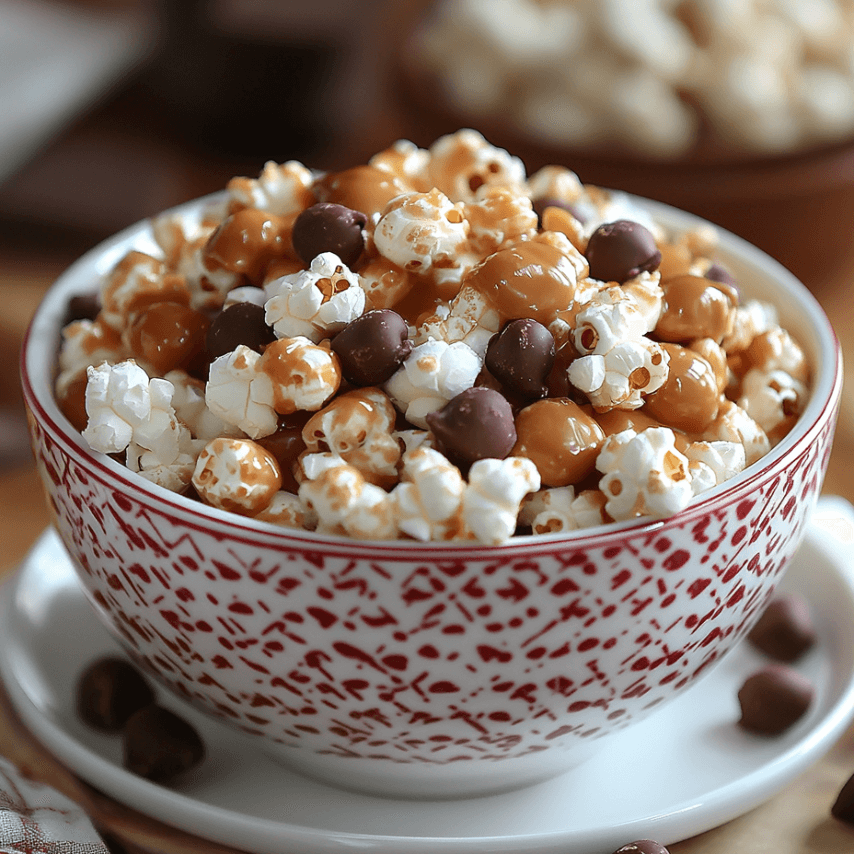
112 110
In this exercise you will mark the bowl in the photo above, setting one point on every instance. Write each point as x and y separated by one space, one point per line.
430 669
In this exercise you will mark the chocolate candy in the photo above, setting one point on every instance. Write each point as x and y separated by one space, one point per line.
241 323
477 424
642 846
327 227
159 745
719 273
83 307
168 335
843 807
540 205
619 251
773 699
785 630
521 356
372 347
109 692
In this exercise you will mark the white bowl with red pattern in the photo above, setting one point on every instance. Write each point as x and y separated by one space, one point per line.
436 670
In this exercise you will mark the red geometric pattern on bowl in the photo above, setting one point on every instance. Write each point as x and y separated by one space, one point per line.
431 655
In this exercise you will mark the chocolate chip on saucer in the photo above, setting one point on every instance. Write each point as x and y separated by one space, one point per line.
642 846
109 691
159 745
785 631
774 699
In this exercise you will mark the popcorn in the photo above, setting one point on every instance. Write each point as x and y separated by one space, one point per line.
237 475
357 427
280 189
752 318
469 318
86 343
559 509
234 393
191 408
314 303
644 474
345 503
434 372
711 463
175 474
494 493
498 217
296 374
407 162
428 499
733 424
288 511
771 398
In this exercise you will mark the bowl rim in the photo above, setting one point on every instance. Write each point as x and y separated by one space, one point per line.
37 375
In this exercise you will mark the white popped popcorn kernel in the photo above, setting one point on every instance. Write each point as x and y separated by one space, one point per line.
497 217
772 398
175 475
233 394
86 343
776 350
409 440
137 281
556 182
462 162
357 426
733 424
494 494
345 503
712 463
428 499
425 233
621 377
469 318
280 189
288 511
125 406
314 303
433 373
559 509
644 474
752 318
237 475
407 162
191 409
294 374
616 314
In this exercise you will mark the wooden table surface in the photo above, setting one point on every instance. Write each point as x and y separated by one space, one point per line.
795 821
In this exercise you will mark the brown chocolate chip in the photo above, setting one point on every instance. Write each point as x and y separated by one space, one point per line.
521 356
109 692
540 206
619 251
372 347
475 425
785 630
642 846
843 807
719 273
327 227
241 323
82 307
773 699
159 745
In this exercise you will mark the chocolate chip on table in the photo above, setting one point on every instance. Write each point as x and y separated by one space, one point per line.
159 745
328 227
619 251
785 630
774 699
642 846
474 425
843 807
109 692
241 323
521 356
372 347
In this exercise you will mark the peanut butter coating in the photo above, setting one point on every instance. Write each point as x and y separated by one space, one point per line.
531 279
362 188
560 438
689 398
247 241
694 307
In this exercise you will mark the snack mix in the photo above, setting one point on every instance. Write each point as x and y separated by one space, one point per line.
430 346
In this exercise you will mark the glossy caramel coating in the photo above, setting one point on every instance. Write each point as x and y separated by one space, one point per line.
560 438
695 307
363 188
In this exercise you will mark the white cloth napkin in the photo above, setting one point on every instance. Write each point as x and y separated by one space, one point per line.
36 819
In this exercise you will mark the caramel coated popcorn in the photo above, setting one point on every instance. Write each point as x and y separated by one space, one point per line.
433 346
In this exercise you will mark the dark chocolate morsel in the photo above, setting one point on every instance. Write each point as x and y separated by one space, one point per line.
843 807
773 699
540 205
719 273
241 323
82 307
619 251
475 425
642 846
327 227
785 630
109 691
521 356
372 347
159 745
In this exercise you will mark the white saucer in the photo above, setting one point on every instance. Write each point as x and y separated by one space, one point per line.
685 770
